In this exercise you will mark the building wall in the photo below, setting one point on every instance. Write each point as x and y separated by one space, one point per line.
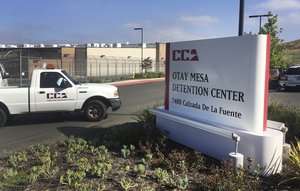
161 51
122 52
116 61
68 59
82 61
39 63
160 55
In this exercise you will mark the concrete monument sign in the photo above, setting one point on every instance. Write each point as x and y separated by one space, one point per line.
217 88
220 81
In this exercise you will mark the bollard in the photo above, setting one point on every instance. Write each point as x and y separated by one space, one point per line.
237 159
286 152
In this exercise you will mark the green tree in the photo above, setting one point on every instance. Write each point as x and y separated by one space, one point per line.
147 64
277 50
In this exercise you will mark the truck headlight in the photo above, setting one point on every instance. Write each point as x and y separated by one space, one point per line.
116 93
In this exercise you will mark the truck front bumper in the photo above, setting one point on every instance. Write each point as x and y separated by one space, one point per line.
115 103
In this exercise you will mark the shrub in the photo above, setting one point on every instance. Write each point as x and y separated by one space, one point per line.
290 116
134 133
157 164
294 158
145 118
161 175
229 178
149 75
129 134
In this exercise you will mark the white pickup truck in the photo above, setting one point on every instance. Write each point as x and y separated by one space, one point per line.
54 90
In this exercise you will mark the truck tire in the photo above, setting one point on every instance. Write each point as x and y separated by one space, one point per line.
95 110
3 117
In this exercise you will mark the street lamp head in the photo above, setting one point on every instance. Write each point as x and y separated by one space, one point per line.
260 16
138 28
268 15
255 16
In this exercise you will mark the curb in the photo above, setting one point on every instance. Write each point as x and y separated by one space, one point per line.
134 82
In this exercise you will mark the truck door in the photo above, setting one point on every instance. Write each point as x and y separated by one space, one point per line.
55 93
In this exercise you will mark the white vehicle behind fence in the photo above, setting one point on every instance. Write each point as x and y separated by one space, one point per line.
54 90
292 77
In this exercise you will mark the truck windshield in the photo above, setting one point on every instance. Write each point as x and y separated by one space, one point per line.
75 81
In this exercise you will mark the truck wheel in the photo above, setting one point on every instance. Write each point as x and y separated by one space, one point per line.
3 117
95 110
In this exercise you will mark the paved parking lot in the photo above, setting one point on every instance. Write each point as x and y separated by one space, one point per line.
289 98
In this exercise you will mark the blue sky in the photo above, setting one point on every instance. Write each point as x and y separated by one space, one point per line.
112 21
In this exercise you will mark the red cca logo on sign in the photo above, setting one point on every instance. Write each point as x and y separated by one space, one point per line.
185 55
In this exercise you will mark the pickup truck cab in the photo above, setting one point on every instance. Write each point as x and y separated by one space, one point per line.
54 90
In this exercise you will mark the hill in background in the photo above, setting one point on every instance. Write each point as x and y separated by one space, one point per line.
292 55
292 45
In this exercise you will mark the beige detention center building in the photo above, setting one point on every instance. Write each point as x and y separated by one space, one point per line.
88 61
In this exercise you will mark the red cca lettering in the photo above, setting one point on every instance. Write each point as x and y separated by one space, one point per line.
185 55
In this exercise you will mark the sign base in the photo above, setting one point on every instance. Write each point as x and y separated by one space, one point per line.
264 149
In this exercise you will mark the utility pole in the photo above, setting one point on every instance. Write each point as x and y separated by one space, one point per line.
142 42
241 18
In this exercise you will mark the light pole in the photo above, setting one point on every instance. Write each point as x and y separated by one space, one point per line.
142 42
260 16
241 18
21 77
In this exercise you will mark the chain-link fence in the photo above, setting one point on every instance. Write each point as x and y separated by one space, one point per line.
117 67
92 68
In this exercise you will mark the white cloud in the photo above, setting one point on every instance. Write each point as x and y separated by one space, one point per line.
171 34
131 25
292 18
181 28
203 20
176 29
274 5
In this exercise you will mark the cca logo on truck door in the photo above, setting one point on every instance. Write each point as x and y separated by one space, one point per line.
56 95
